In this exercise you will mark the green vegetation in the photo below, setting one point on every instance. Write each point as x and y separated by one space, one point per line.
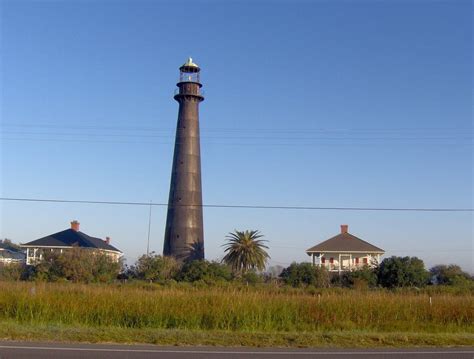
75 265
154 268
450 275
234 311
352 339
81 295
402 272
303 274
245 251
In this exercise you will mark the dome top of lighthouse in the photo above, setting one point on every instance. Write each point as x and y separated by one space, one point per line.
189 66
190 62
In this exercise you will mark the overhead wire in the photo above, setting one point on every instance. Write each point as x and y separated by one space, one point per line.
319 208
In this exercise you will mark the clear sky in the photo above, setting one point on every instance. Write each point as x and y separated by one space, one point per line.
309 103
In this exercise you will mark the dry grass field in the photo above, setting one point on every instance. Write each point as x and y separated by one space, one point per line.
233 315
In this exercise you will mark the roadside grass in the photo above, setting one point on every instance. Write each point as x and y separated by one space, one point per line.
174 337
233 315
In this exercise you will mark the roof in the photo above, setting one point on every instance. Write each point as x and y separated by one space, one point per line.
11 254
345 242
70 238
9 246
189 63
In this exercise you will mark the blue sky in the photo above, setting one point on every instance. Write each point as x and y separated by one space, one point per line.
311 103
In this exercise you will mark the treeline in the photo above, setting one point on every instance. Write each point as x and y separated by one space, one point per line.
393 272
84 266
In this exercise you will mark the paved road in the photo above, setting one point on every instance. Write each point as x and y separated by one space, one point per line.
50 351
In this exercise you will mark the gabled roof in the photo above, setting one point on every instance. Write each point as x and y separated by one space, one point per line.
70 238
345 242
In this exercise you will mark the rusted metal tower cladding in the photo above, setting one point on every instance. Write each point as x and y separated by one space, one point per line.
184 233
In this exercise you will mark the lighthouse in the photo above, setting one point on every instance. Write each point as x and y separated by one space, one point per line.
184 232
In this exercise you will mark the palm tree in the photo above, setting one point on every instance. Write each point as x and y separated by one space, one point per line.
245 251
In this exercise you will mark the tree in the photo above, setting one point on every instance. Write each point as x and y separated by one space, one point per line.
449 275
202 270
245 251
402 272
155 268
299 274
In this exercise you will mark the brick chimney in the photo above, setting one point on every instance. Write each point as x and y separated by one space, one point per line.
344 228
75 225
107 240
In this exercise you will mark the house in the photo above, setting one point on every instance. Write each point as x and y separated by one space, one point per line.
10 254
65 240
345 252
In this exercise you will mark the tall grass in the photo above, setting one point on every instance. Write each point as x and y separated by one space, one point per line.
233 309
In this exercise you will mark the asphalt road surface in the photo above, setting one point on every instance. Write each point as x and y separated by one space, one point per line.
57 350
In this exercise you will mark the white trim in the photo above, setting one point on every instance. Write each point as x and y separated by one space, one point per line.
68 247
345 251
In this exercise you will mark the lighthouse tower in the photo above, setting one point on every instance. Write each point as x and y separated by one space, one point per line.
184 234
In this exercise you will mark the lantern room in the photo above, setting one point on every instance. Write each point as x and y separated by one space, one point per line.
189 72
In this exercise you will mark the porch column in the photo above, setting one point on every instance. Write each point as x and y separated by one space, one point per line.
314 260
339 267
350 261
27 255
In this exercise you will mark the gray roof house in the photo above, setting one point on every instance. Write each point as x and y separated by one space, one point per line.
345 252
10 254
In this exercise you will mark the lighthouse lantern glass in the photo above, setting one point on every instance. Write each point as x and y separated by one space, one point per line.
185 76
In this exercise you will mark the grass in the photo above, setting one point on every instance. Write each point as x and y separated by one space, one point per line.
230 315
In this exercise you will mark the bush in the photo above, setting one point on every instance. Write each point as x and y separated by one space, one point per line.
402 272
450 275
360 278
11 271
76 265
155 268
202 270
304 274
252 277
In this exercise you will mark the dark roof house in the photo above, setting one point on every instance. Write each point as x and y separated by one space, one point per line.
70 238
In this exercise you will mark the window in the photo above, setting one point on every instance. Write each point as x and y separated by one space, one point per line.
331 260
365 261
323 260
357 260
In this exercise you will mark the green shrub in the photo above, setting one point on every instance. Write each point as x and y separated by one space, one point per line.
402 272
252 277
155 268
361 278
202 270
76 265
450 275
11 271
304 274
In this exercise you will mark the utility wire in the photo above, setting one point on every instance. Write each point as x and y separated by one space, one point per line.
251 129
387 209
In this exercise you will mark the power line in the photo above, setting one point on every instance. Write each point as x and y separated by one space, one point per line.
238 129
383 209
239 136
